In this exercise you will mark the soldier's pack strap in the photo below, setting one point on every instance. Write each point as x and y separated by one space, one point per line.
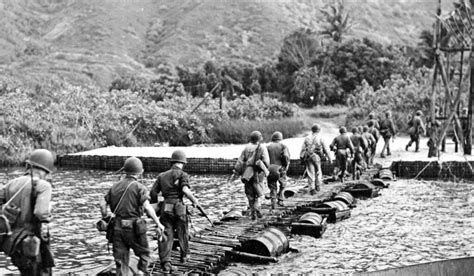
121 198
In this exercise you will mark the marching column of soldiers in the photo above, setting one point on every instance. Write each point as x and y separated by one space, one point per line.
24 232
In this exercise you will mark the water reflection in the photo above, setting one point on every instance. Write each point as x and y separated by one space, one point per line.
412 222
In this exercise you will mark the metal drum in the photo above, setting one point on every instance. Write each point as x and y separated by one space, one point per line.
386 174
270 242
338 205
379 183
288 193
311 217
345 197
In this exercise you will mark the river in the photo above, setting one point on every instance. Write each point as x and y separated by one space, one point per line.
412 222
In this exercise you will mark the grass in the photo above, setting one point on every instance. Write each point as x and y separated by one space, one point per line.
238 131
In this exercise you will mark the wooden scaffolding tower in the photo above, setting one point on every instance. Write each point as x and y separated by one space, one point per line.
452 38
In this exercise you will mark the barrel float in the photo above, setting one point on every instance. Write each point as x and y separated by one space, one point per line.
311 217
386 174
377 182
270 242
346 198
233 214
363 189
311 224
287 193
336 210
338 205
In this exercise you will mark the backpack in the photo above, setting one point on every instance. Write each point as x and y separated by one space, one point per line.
313 148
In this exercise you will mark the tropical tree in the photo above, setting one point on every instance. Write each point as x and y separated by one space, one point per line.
337 21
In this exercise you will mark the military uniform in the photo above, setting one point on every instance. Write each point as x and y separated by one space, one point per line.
360 145
387 130
312 150
340 145
26 202
173 211
252 177
279 157
417 127
129 228
371 145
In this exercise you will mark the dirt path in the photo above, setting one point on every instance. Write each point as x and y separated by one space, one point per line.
329 130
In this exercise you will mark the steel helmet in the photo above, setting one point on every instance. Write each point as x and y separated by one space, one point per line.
133 165
419 113
342 130
255 136
315 128
354 130
178 156
42 159
277 136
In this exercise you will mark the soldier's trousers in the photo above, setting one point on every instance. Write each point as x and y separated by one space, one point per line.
416 139
174 223
252 193
123 241
315 175
273 186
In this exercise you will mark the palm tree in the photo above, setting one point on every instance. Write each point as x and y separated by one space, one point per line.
338 21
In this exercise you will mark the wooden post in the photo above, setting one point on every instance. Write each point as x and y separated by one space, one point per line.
433 150
468 131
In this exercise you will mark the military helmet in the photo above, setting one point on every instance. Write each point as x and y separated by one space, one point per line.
371 115
133 165
419 113
41 159
255 136
277 136
342 130
315 128
365 128
354 130
178 156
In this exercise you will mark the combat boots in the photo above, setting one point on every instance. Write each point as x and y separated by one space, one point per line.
273 203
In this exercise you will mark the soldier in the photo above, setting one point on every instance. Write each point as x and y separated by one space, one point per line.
417 127
340 145
376 134
313 151
373 120
252 163
371 144
387 129
279 162
360 145
26 204
174 185
127 199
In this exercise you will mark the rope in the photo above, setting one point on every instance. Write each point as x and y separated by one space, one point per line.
423 169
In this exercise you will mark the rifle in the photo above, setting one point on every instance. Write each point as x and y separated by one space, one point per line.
232 177
204 214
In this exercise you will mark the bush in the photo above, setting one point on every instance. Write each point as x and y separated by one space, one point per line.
401 95
238 131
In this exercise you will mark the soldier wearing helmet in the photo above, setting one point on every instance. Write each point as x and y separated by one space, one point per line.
279 162
127 200
360 145
340 145
387 130
252 163
173 185
313 151
416 128
371 144
26 203
374 121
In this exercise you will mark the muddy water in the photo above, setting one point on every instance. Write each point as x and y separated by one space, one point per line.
412 222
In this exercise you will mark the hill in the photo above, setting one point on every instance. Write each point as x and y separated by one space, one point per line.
92 42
